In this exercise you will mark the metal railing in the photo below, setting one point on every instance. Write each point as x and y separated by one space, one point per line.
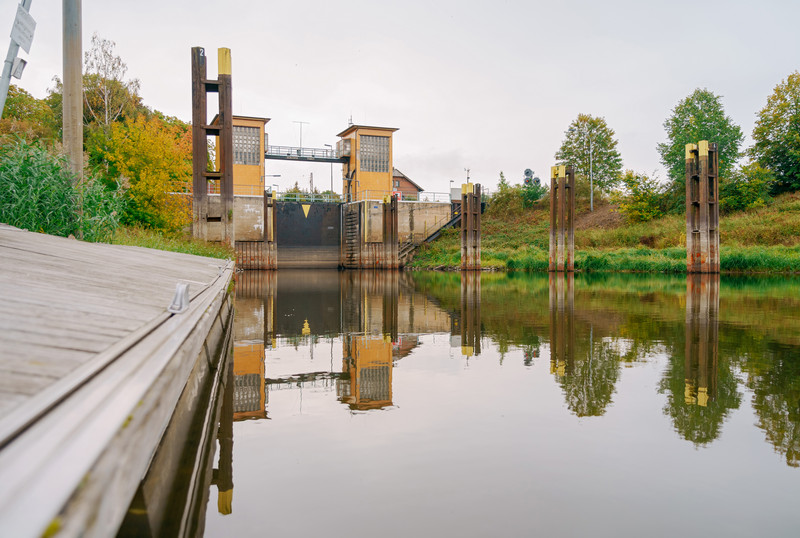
439 197
302 153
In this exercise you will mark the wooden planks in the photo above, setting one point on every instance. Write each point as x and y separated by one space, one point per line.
91 366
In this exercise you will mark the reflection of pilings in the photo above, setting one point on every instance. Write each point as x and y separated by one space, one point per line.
702 322
470 313
390 297
224 478
562 326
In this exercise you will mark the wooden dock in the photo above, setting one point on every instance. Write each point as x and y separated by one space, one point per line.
92 367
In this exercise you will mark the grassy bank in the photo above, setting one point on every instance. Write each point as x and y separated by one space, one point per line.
174 243
758 240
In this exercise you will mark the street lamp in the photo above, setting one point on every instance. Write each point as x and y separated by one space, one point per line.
329 146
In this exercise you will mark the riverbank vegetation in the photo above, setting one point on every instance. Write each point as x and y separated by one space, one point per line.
135 160
634 221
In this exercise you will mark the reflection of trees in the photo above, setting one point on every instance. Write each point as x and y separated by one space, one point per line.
700 424
775 382
589 380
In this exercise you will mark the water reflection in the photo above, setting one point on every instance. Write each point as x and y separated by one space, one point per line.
701 385
438 374
586 369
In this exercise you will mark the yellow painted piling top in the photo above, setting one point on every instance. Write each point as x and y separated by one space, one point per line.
224 61
689 149
467 188
702 148
558 171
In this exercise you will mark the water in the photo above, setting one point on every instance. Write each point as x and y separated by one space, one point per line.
431 404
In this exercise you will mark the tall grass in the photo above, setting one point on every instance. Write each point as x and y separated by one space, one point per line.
39 193
149 238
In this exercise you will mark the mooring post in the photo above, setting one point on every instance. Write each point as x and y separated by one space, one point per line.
270 221
199 146
570 218
553 217
470 227
390 233
225 147
702 208
562 222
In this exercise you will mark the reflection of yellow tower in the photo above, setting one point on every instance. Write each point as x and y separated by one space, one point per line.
368 173
368 363
248 369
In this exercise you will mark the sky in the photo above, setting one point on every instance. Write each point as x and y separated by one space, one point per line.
488 86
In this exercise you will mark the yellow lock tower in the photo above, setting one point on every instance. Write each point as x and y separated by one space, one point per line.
367 174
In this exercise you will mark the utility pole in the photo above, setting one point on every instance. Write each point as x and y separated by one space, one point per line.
73 85
330 146
21 33
301 131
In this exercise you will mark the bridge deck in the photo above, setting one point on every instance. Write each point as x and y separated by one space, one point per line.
91 368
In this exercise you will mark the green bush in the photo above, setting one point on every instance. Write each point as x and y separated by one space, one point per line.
747 188
644 197
37 193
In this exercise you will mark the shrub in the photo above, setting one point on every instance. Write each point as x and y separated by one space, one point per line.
747 188
37 193
643 199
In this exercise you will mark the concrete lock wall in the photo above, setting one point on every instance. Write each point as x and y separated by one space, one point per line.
417 220
248 221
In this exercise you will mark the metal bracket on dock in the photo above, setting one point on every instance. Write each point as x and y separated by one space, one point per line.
180 301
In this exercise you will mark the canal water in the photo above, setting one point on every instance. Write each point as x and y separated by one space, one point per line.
442 404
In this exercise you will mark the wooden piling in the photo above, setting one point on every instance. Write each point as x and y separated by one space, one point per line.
702 208
470 227
562 222
391 238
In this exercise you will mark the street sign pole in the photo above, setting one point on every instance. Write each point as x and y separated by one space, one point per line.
21 36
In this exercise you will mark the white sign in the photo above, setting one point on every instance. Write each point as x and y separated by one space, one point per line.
18 67
22 31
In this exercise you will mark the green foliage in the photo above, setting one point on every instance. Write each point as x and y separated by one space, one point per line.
507 200
643 199
747 188
777 135
589 145
28 117
37 193
699 116
152 159
531 194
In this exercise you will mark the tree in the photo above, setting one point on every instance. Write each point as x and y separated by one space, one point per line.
28 117
106 94
154 157
777 135
590 147
699 116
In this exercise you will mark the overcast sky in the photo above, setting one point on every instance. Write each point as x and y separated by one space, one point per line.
488 86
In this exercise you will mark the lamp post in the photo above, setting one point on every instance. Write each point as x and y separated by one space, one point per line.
329 146
591 175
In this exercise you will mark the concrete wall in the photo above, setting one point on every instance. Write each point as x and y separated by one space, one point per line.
418 220
248 218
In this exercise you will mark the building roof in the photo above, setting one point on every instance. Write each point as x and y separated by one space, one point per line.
215 119
398 173
352 128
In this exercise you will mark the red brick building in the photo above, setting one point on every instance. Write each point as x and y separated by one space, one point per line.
401 183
